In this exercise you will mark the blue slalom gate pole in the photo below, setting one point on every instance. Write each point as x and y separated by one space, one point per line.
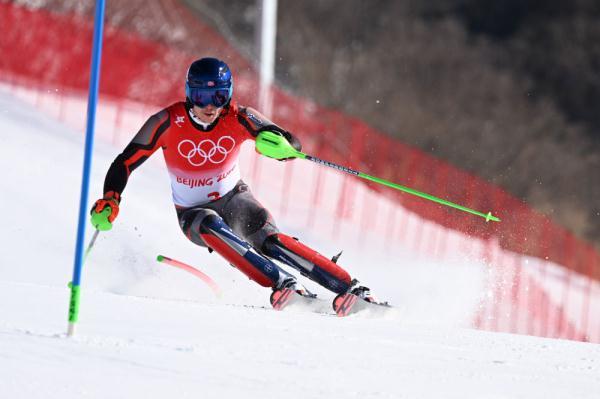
87 164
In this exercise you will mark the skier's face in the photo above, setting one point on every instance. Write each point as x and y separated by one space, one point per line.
207 114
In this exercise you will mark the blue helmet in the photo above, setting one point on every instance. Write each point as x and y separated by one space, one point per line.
209 81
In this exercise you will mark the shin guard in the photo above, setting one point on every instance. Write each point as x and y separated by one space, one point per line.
218 236
309 262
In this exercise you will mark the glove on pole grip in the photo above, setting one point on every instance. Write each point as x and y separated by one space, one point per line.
275 145
100 219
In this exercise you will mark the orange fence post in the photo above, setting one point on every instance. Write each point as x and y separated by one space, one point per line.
585 308
516 294
316 198
285 190
569 253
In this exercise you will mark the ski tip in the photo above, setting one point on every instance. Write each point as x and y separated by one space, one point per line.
280 298
343 304
160 258
349 304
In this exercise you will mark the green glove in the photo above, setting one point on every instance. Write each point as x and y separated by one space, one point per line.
105 211
100 220
275 145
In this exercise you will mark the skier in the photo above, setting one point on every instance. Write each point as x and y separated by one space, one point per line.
201 140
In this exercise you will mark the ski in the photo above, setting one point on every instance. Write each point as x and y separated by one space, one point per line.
347 304
288 298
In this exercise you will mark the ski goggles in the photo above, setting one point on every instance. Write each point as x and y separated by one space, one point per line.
203 96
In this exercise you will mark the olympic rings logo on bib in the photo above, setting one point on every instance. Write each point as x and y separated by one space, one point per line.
206 150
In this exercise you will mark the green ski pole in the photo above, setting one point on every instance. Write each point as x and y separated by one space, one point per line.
274 145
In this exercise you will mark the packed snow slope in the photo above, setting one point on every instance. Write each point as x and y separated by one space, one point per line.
150 331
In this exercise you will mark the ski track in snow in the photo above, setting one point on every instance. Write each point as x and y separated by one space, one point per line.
147 330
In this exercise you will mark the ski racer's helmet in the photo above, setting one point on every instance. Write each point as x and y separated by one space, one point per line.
209 81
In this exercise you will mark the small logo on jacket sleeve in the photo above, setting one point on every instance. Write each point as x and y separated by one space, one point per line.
257 121
179 120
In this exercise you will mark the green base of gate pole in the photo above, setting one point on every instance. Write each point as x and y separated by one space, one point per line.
73 307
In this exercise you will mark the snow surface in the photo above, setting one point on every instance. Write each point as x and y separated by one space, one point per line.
147 330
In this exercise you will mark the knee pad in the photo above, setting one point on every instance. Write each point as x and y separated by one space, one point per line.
254 227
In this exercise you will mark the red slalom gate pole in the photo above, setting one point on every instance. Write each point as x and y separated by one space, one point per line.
183 266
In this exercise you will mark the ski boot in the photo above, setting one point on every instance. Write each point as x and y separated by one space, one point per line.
291 283
362 292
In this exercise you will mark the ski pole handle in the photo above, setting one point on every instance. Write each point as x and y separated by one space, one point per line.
274 145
